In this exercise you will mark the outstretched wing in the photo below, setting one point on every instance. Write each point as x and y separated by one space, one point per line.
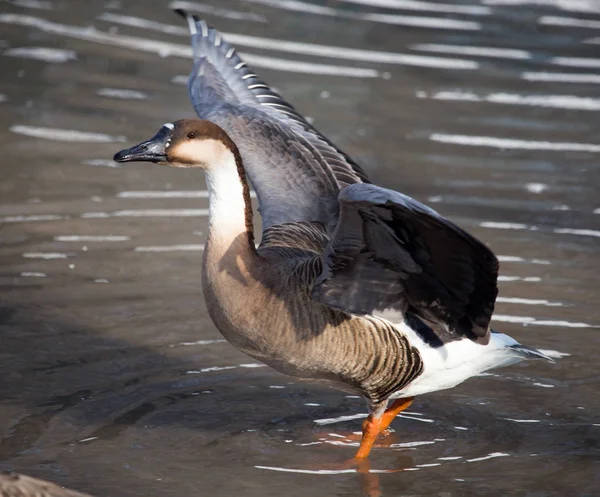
390 251
296 171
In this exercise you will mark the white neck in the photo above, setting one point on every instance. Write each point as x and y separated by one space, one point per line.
226 218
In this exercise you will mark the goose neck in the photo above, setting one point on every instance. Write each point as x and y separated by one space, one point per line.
230 209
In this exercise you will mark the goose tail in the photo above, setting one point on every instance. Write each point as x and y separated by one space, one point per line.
529 352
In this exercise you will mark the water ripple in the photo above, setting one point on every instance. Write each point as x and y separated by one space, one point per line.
295 47
572 102
560 77
45 255
515 300
65 135
502 53
512 143
122 93
91 238
32 218
148 213
217 11
399 20
527 320
489 456
568 21
477 10
53 55
171 248
165 49
576 62
588 6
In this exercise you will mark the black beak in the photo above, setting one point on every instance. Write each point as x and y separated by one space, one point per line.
152 150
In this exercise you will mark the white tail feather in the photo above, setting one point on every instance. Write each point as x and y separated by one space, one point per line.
451 364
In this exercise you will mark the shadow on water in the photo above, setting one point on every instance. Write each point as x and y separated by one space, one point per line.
70 394
114 381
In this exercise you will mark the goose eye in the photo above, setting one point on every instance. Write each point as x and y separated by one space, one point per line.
191 135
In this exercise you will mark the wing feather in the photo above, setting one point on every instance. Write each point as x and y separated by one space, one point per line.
311 237
390 251
224 90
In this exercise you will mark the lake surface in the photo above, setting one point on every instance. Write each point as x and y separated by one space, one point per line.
114 381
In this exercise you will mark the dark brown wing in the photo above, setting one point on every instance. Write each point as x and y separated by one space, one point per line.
391 252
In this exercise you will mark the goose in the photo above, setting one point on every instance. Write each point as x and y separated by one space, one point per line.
308 302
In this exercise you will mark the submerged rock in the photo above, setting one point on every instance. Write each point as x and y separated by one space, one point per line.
16 485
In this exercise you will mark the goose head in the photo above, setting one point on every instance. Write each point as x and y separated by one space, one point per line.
184 143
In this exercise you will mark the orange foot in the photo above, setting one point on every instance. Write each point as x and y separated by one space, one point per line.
372 427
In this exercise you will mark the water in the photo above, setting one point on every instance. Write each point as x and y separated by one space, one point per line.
115 382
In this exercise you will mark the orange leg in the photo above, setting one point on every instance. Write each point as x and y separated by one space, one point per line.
374 426
393 410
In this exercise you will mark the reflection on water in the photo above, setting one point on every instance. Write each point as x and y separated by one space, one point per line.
114 380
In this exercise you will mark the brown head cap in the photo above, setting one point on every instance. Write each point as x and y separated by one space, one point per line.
184 143
197 143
